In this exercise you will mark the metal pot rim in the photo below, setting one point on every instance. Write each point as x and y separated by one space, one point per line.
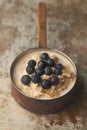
30 50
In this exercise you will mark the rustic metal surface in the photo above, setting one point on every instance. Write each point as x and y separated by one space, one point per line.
67 31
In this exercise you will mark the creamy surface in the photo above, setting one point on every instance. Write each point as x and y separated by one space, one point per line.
67 79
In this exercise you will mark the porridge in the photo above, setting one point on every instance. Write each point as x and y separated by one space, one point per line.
44 74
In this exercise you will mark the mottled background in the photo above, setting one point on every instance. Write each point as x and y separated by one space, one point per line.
66 31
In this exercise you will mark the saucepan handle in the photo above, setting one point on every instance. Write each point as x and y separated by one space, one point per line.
42 38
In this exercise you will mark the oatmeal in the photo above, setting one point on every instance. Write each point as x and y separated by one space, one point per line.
56 74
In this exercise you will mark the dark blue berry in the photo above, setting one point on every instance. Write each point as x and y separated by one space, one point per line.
54 80
25 79
48 70
31 63
57 72
44 56
46 84
35 79
59 66
39 72
42 64
50 62
30 70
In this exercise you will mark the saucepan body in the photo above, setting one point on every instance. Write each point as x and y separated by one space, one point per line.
41 106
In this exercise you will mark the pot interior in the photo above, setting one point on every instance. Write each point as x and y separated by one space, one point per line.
20 62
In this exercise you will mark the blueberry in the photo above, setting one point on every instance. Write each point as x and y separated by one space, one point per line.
50 62
46 84
35 79
48 70
31 63
59 66
57 72
25 79
30 70
54 80
39 72
44 56
42 64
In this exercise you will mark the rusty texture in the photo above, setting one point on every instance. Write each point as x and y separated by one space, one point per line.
66 31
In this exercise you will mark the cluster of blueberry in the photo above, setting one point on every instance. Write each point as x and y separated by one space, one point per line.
45 66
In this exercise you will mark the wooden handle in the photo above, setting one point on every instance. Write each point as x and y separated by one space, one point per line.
42 24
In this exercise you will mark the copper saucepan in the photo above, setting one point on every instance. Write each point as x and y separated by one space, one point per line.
38 105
